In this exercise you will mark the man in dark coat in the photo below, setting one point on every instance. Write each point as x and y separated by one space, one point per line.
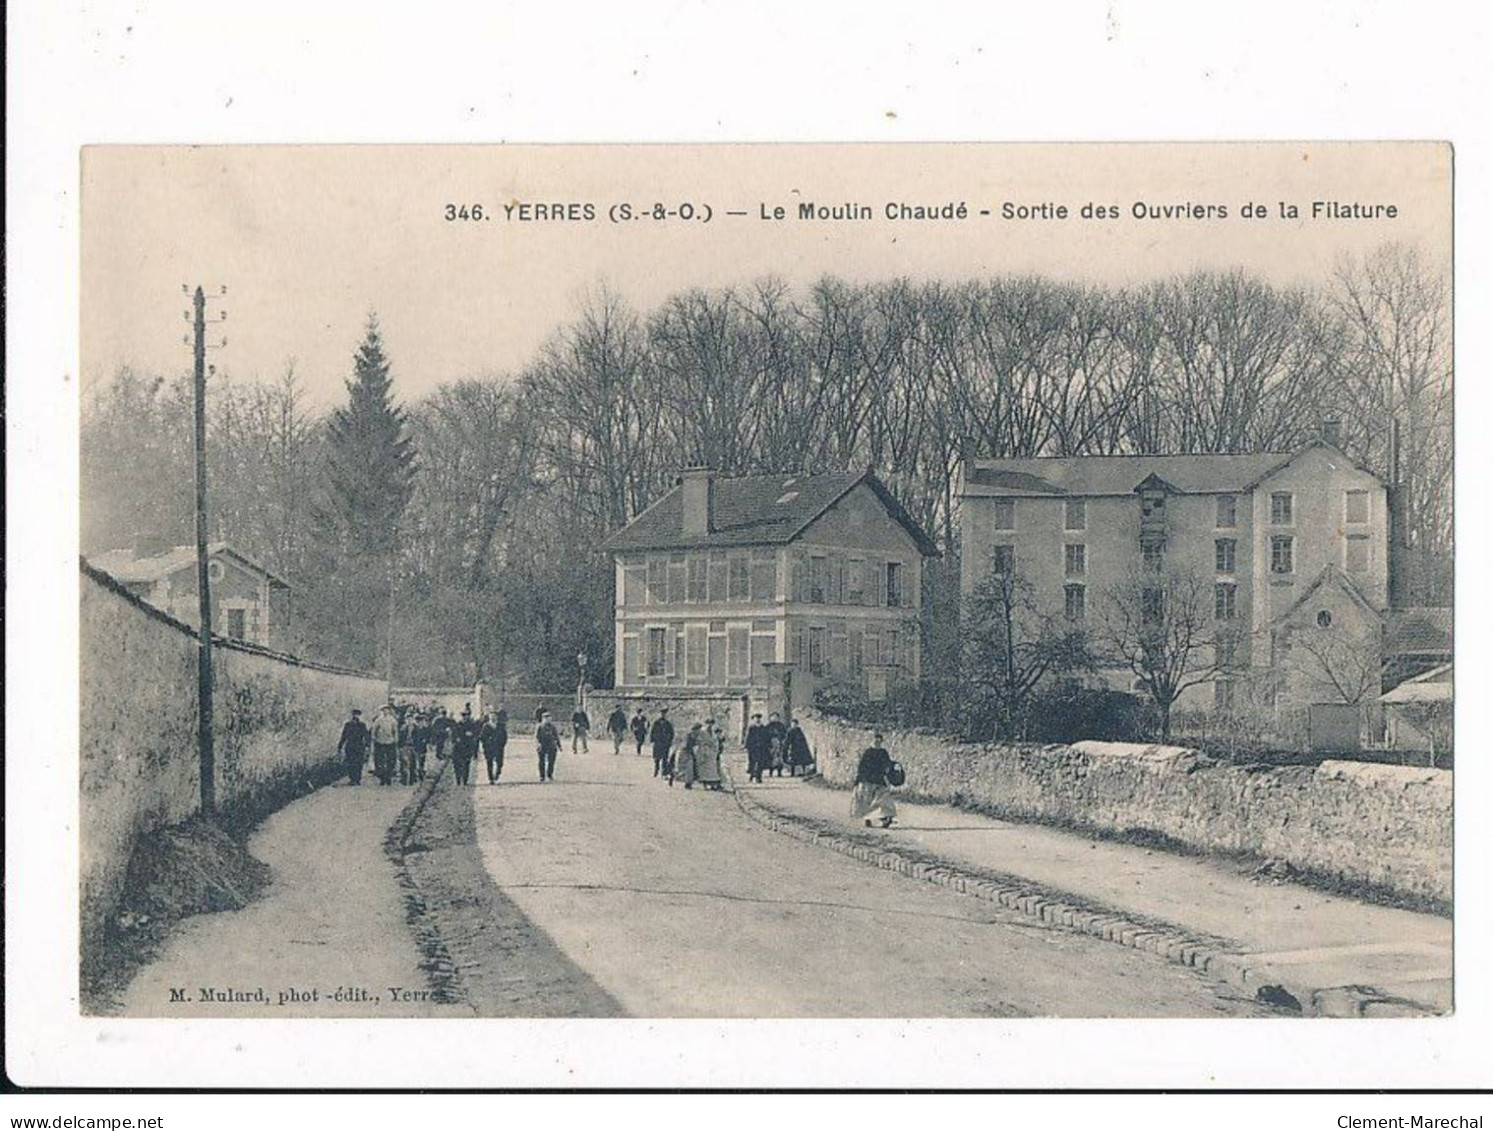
757 747
494 739
440 731
547 738
464 737
662 737
640 730
580 728
617 727
798 752
353 746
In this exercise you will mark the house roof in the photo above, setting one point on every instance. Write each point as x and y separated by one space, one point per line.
756 510
1434 686
123 565
1196 474
1419 630
1332 575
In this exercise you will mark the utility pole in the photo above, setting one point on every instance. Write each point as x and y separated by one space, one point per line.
205 754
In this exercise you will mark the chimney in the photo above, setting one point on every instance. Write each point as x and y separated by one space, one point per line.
1332 433
696 482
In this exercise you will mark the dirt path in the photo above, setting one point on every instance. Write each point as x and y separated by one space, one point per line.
328 938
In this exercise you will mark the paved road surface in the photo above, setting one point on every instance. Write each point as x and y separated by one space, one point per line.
677 905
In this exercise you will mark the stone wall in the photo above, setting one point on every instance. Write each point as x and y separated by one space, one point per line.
1385 826
277 722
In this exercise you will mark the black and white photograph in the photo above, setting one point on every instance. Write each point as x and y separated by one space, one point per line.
799 582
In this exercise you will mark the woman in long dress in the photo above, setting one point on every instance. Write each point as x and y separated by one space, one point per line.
708 757
873 792
684 766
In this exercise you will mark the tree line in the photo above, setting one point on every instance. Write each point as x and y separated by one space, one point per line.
471 515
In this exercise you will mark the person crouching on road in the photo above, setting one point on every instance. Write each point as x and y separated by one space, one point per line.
353 746
662 736
547 738
873 791
385 732
494 739
617 728
580 729
464 737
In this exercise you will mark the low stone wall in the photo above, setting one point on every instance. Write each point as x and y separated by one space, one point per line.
277 720
684 709
1385 826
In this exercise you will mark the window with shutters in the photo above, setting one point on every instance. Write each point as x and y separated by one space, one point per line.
835 578
1074 602
895 597
1003 560
1282 508
816 650
677 593
658 660
1074 559
1075 514
658 581
718 577
855 582
1224 550
818 570
764 576
635 586
1282 554
738 653
696 655
697 573
1228 512
740 583
1225 594
1003 514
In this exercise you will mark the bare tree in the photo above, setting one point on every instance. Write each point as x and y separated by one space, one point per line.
1159 625
1012 645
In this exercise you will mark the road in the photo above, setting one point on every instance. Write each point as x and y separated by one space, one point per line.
675 904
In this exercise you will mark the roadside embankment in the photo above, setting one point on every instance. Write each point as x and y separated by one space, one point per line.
1379 829
277 720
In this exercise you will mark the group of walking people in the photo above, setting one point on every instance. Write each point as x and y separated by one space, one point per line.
773 747
403 736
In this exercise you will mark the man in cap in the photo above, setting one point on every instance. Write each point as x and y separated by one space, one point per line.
547 738
662 737
617 727
464 737
756 747
353 746
385 732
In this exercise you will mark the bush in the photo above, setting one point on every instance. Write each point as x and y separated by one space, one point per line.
1091 714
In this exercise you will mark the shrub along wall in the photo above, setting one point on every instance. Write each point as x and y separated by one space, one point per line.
277 722
1385 826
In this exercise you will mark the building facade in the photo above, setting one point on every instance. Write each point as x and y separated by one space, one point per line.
723 578
1290 549
249 602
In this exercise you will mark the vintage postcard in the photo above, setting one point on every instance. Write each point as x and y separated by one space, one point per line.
758 581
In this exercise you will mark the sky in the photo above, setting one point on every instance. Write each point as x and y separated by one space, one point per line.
308 240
